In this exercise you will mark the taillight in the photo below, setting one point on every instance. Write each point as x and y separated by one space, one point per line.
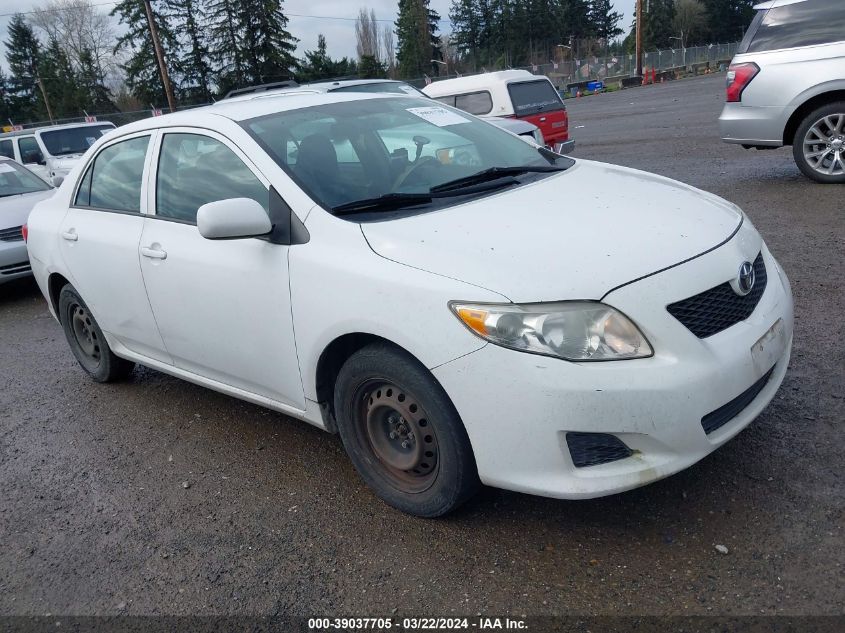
739 76
25 232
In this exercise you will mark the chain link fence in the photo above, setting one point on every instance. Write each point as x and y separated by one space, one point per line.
616 68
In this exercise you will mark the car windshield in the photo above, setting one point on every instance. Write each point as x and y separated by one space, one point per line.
73 140
342 153
15 180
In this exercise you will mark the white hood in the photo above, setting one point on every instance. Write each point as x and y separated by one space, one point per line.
574 235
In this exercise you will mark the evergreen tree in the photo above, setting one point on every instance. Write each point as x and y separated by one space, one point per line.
225 50
371 68
195 73
267 46
604 20
94 96
416 38
23 54
5 110
59 81
318 66
467 24
728 19
141 67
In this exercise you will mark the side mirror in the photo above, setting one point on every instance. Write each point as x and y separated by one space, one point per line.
233 218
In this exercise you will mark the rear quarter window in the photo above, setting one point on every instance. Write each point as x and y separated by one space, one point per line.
532 97
807 23
475 102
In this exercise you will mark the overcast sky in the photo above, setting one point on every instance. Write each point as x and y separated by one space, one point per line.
340 33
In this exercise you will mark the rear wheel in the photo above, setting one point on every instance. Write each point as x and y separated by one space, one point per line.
402 432
819 144
86 339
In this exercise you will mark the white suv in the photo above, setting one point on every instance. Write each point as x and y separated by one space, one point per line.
787 85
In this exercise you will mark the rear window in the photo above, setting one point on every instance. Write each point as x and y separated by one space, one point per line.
805 23
531 97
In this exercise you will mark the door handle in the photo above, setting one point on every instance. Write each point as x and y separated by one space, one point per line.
153 253
70 236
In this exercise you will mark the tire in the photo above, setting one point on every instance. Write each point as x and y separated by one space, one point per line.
86 339
382 390
822 125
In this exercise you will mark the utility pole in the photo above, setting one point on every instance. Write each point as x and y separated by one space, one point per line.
165 79
44 95
639 38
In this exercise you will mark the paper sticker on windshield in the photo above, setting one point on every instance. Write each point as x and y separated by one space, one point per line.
441 117
90 140
6 169
409 90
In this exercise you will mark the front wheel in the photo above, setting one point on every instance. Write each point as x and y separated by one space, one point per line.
402 432
819 144
86 339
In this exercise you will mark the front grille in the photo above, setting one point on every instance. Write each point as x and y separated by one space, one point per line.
14 269
12 234
717 309
592 449
727 412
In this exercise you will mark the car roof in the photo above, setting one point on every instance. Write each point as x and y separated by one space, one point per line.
243 108
44 128
474 82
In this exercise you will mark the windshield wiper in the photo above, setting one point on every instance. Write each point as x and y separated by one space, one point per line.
388 201
492 174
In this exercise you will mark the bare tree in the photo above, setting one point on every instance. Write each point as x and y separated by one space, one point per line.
389 49
80 29
367 35
690 20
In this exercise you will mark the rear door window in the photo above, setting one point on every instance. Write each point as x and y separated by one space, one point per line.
117 176
475 102
806 23
533 97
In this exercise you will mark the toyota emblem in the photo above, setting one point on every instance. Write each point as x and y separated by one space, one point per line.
746 278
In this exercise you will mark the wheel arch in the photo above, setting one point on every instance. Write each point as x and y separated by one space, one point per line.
332 358
55 283
805 108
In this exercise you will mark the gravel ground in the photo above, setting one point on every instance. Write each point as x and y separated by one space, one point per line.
95 517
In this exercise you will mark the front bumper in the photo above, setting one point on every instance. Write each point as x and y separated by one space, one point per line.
518 408
14 261
753 125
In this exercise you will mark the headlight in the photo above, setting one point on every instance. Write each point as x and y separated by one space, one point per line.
573 330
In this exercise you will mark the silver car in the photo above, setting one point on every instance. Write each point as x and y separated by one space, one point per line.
20 189
786 86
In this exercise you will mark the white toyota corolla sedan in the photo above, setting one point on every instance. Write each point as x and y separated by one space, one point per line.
460 306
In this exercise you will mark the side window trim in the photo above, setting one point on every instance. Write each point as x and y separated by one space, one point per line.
155 157
152 134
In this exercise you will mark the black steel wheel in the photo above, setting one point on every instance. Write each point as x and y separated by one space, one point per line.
86 339
402 432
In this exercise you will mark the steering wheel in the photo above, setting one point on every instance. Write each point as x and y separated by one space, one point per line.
412 167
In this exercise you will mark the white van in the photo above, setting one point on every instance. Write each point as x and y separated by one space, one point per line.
513 94
51 152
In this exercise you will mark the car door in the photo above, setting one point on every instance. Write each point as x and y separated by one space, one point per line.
32 157
222 306
99 239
